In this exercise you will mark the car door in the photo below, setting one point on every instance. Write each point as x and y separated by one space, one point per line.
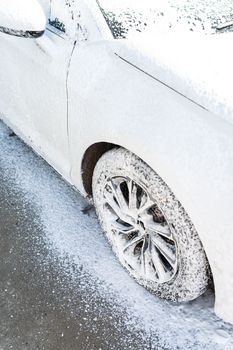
33 76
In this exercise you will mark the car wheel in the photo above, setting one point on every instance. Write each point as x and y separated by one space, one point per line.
148 228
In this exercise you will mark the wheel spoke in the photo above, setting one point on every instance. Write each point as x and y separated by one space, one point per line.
117 193
133 242
164 249
153 226
123 228
146 204
133 200
158 264
143 256
115 207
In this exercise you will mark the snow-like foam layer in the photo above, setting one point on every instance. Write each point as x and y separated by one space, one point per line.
129 17
26 15
69 234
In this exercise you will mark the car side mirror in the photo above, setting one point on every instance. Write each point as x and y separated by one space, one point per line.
24 18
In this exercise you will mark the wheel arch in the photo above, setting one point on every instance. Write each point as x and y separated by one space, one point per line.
90 158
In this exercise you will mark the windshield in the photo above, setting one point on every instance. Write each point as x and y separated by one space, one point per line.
130 17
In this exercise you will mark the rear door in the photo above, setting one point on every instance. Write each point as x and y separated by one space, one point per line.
33 77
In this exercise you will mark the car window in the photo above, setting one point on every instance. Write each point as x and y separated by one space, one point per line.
128 17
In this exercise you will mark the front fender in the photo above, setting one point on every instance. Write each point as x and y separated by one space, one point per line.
189 147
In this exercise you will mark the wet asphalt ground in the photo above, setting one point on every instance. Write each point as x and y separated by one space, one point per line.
40 309
60 285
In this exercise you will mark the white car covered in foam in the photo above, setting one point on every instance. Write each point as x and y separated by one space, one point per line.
131 102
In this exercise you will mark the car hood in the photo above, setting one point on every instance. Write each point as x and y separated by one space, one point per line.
198 66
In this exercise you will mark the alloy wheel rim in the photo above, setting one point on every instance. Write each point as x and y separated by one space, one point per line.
139 231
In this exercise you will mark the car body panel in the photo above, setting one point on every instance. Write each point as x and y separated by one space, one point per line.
36 102
189 63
